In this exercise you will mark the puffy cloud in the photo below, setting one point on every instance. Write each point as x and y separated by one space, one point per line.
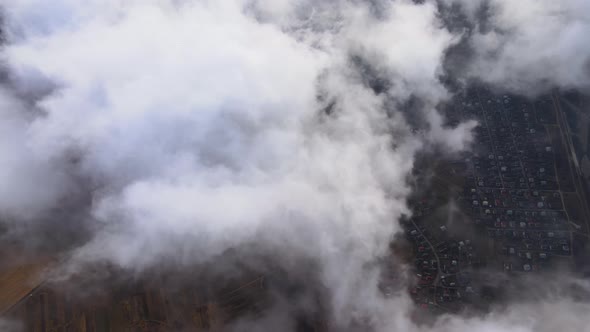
407 44
557 301
543 316
202 126
529 46
23 169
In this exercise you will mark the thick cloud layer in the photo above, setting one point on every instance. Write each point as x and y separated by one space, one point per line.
196 127
202 130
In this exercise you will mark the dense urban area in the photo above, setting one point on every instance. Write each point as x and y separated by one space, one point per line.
516 204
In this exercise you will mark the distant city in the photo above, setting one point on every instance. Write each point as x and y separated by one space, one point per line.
521 191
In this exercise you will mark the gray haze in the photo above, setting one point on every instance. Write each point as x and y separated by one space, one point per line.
193 127
528 46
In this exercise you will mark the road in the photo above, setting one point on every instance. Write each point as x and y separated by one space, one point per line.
439 273
578 176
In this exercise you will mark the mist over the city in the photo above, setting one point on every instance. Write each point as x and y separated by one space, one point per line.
371 165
